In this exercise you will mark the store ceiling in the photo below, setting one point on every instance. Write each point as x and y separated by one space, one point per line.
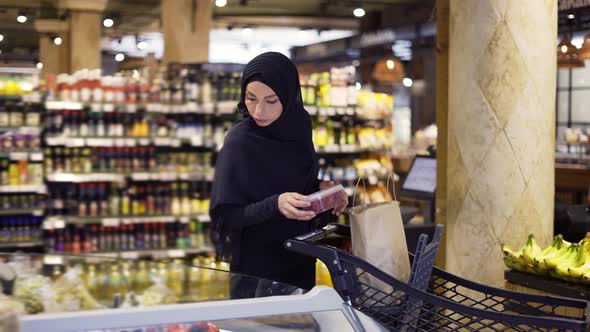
143 16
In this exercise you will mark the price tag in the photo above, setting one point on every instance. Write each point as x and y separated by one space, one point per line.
37 213
159 254
167 176
53 260
184 220
131 108
120 142
323 110
332 148
162 141
110 222
350 111
176 253
192 107
208 108
108 108
175 142
196 140
53 141
74 142
140 176
204 218
18 156
130 142
144 141
341 110
36 156
331 111
129 255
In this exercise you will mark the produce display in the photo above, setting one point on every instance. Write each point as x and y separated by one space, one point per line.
561 260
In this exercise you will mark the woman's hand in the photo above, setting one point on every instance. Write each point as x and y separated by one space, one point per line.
327 184
290 205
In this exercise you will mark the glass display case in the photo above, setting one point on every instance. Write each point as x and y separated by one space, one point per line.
93 293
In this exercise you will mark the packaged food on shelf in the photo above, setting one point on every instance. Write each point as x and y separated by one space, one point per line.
327 199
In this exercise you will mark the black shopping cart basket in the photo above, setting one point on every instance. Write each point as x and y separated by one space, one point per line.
446 303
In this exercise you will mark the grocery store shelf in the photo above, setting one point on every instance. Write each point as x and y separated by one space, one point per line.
24 154
125 141
120 177
81 178
347 149
331 110
63 105
24 188
23 244
22 212
23 129
56 222
63 258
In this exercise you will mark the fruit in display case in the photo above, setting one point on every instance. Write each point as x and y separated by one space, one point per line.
561 260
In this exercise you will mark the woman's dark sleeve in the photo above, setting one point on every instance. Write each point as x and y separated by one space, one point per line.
235 217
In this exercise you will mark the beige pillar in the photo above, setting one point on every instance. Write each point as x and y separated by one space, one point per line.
55 58
85 32
186 25
442 111
501 119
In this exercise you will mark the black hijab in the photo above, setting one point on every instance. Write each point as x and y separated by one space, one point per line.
258 162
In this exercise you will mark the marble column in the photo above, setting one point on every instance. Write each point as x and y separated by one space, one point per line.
55 58
500 135
85 32
186 25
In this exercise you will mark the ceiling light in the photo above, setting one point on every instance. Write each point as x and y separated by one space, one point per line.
119 57
39 65
22 17
57 41
220 3
1 37
390 64
142 45
571 16
108 22
247 31
359 12
407 82
568 55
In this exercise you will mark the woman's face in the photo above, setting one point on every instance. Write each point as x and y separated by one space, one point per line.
263 103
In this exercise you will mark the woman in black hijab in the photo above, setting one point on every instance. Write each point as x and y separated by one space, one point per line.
266 166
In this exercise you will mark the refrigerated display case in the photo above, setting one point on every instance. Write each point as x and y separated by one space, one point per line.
98 293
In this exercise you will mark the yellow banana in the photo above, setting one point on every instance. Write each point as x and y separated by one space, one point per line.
531 250
567 259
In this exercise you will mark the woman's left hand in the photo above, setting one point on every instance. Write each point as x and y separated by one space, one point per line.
327 184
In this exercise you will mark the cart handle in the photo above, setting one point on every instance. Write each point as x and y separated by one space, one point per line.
323 232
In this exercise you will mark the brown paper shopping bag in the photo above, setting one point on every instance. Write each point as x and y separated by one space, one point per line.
378 237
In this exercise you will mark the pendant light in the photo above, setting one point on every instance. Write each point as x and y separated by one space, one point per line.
567 55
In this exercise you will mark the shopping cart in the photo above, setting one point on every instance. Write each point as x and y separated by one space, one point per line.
447 302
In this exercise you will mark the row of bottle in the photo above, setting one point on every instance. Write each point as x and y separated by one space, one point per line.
203 129
17 201
14 141
123 159
78 239
152 199
20 114
198 279
335 132
351 169
15 229
335 88
191 85
20 172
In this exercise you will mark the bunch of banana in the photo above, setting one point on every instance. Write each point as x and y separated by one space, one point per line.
561 259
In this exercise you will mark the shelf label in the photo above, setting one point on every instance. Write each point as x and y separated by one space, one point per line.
18 156
162 141
37 213
144 141
36 156
177 253
140 176
129 255
203 218
110 222
131 142
108 108
53 260
184 220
